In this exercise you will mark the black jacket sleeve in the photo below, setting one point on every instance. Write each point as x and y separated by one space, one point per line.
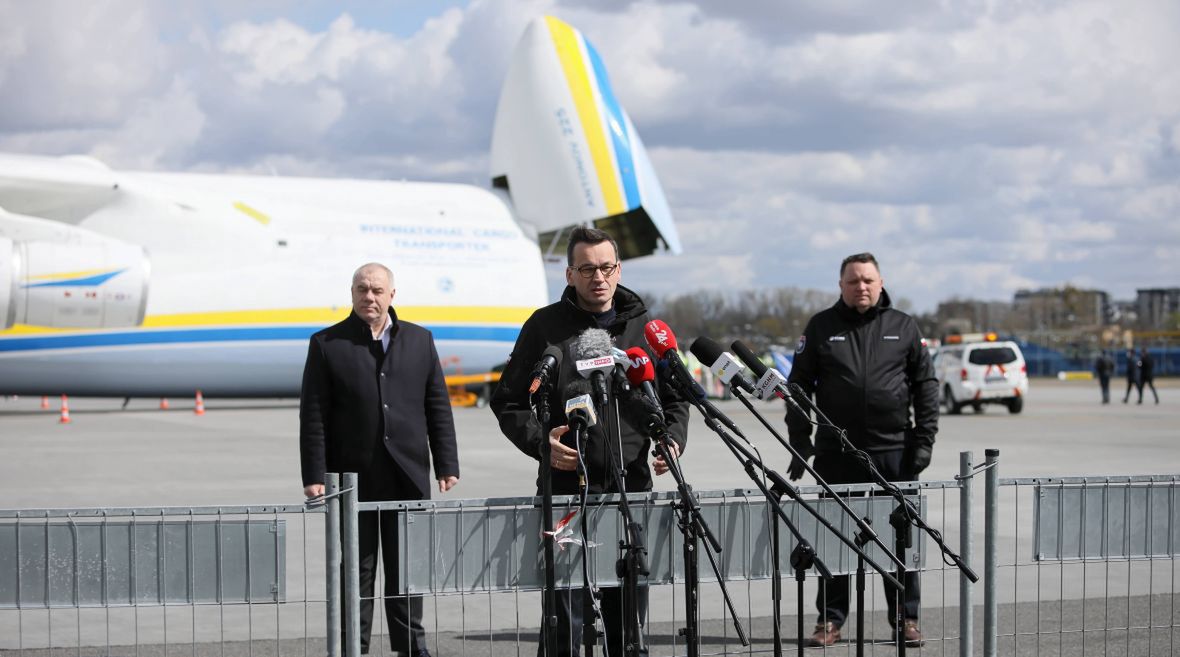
923 391
676 416
510 401
804 370
314 409
440 421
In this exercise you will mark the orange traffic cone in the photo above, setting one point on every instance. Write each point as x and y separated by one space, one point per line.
44 402
65 411
163 403
199 409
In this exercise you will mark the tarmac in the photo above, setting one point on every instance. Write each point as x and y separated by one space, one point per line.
246 452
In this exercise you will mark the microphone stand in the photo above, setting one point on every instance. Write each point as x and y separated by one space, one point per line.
863 536
692 527
632 562
903 519
589 594
804 555
549 594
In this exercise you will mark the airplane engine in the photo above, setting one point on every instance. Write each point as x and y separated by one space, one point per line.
84 281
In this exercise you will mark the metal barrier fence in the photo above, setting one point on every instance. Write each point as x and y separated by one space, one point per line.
163 580
476 563
1082 565
1072 566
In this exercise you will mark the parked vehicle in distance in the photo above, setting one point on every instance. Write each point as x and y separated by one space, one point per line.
981 372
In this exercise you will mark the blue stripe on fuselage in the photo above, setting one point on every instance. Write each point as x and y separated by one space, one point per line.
89 281
246 334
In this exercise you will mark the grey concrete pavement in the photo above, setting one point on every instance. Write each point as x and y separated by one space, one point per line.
246 452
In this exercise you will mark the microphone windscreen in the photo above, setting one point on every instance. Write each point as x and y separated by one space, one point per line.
575 387
753 362
591 343
554 351
659 337
640 368
706 350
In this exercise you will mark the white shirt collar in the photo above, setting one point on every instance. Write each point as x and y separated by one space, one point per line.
385 332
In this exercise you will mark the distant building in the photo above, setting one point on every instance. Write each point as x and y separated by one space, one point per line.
1156 305
973 315
1060 308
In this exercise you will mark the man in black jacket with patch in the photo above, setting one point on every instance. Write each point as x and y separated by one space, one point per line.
865 363
375 402
592 299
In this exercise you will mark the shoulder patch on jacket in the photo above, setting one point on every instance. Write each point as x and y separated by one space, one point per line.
802 343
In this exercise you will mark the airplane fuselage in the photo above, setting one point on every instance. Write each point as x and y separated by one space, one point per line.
244 269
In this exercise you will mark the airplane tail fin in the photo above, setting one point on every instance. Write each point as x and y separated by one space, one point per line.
566 152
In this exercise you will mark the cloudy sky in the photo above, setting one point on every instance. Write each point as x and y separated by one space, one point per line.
976 147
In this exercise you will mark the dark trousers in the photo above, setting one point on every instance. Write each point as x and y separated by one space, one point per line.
1131 385
1149 384
570 616
832 599
1104 382
377 533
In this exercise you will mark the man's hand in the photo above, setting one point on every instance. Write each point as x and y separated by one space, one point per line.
447 483
919 459
560 456
313 490
659 464
802 444
796 470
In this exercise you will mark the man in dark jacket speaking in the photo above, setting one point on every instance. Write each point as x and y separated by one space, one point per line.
375 402
865 363
593 299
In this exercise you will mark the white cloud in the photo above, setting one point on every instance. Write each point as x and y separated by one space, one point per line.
975 147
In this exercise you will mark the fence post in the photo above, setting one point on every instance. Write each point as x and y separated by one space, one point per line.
966 544
352 571
990 526
332 556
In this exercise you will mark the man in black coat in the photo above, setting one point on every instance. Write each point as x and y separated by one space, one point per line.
592 299
1133 374
866 365
375 402
1104 368
1147 374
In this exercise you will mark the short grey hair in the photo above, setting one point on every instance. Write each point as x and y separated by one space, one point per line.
372 265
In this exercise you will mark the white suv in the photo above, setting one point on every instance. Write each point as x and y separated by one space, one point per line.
981 373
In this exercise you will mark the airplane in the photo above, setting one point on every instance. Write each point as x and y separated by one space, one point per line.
138 284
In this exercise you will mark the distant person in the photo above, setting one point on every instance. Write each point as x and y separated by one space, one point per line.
374 402
1104 368
1132 375
1146 374
865 363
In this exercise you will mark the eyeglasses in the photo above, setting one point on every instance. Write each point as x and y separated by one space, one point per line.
587 271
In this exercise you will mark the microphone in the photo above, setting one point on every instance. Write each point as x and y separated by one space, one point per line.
770 381
579 408
546 367
641 374
579 415
643 415
619 373
722 363
663 342
592 351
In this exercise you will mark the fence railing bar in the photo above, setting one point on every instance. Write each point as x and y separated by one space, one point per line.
119 512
